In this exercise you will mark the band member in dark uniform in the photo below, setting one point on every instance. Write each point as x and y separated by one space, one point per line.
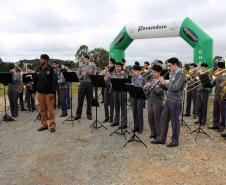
45 83
164 71
108 92
85 88
137 103
202 98
218 106
120 99
67 68
155 101
13 91
173 105
63 88
191 94
57 68
223 97
146 68
21 89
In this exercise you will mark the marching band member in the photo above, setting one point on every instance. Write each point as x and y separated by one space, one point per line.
28 95
173 105
155 101
223 97
146 68
137 103
85 88
218 106
45 83
108 92
202 98
21 89
13 91
57 68
164 71
120 98
63 89
68 96
191 94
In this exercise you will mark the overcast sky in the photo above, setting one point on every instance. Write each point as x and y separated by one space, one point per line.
31 27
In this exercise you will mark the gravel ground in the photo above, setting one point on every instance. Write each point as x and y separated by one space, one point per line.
75 156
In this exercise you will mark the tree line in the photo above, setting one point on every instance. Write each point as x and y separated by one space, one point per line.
99 55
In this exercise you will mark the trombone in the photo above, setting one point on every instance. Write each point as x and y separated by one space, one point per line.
147 91
196 79
212 74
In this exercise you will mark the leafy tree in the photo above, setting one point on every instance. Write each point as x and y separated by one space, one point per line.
100 56
83 50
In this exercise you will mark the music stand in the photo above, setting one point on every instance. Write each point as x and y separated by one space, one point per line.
71 77
5 78
135 92
118 84
183 122
206 83
97 81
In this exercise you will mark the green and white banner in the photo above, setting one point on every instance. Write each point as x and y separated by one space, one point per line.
187 29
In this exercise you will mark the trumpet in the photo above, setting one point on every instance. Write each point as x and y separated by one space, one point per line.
147 91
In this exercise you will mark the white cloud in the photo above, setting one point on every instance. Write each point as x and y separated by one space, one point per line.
31 27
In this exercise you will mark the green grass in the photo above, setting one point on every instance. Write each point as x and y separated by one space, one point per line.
1 90
74 89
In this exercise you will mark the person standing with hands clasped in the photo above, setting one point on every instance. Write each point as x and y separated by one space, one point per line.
45 83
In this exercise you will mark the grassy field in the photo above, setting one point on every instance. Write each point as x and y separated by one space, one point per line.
1 90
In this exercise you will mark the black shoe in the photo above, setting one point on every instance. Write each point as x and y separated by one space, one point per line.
223 135
114 124
152 136
203 123
64 114
172 144
135 130
157 142
42 128
105 121
186 115
89 117
111 121
213 127
122 126
221 129
52 130
77 117
194 116
197 122
23 109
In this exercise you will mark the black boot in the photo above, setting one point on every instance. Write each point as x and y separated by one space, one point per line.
63 114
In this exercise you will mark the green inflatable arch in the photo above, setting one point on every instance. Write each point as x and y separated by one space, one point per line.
187 29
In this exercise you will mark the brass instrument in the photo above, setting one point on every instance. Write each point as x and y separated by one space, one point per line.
147 91
195 81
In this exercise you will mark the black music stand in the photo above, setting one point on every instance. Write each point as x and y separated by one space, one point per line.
5 78
206 83
71 77
97 81
118 84
135 92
